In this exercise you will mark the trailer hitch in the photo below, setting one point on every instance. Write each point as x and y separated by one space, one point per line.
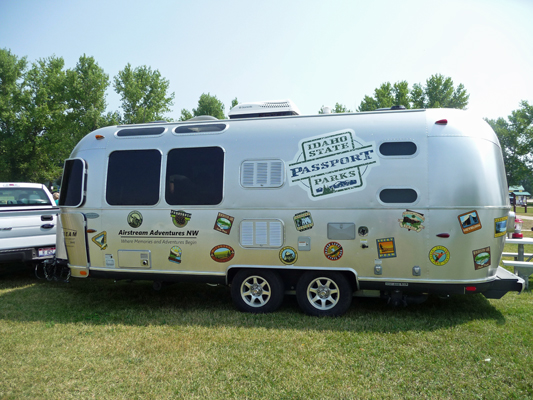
53 270
398 299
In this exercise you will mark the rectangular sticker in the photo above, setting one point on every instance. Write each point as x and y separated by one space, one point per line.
303 221
469 221
386 248
481 258
223 223
412 220
500 226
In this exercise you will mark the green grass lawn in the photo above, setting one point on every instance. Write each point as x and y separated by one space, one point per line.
99 339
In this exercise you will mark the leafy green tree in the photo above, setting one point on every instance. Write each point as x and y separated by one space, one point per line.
516 139
234 102
185 115
86 85
338 109
143 93
207 105
35 143
386 96
438 92
12 71
44 111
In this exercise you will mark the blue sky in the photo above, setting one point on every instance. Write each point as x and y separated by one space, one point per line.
312 52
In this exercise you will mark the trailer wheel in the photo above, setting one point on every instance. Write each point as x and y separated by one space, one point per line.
324 294
257 291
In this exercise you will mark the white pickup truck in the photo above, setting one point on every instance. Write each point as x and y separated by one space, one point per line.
28 223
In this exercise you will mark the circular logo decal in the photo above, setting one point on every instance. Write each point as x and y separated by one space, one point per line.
135 219
439 255
222 253
333 251
180 218
288 255
175 255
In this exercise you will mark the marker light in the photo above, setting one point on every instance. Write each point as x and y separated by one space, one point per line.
470 288
443 235
99 137
442 122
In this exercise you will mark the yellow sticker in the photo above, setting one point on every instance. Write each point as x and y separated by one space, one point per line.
439 255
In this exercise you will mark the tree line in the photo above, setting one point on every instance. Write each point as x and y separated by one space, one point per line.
45 109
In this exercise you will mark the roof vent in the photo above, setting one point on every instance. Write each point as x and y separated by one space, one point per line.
204 118
260 109
400 107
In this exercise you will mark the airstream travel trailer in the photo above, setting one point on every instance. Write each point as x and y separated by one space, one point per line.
396 203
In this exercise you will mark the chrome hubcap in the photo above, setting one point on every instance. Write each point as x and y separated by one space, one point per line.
255 291
323 293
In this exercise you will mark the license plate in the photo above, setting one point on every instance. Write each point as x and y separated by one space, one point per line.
47 251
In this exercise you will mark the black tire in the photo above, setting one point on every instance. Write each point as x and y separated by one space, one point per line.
257 291
324 294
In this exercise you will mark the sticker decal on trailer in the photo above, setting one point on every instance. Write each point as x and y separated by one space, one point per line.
412 221
439 255
333 251
481 258
288 255
135 219
332 164
386 248
469 221
223 223
180 218
222 253
175 255
303 221
100 240
500 226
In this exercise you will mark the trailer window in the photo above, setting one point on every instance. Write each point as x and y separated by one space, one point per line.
141 131
200 128
397 149
398 195
73 183
194 176
133 178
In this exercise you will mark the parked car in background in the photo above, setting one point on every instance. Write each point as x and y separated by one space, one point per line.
28 223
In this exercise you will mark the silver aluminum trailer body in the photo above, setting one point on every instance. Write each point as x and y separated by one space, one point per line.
396 203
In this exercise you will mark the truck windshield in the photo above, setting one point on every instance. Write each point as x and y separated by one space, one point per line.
14 196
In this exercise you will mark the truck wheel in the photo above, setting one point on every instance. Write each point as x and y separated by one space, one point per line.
257 291
324 294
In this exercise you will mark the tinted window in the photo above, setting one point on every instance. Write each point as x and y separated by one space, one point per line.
194 176
200 128
72 184
398 196
397 148
141 131
133 178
